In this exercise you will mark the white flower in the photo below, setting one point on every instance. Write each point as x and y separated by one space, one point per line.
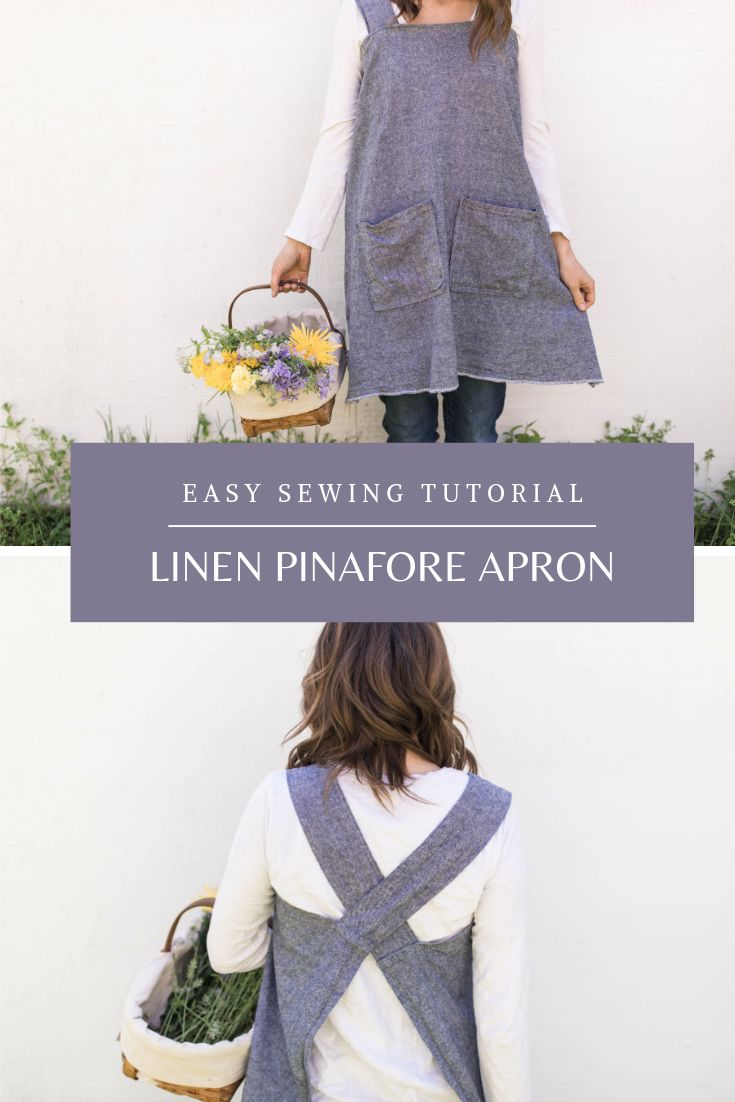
243 380
247 352
219 357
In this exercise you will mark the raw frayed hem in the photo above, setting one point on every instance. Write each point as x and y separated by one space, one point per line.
482 379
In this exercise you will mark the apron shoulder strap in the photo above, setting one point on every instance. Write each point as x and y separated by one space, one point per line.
333 834
376 13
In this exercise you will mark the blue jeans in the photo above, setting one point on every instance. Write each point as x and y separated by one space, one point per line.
470 414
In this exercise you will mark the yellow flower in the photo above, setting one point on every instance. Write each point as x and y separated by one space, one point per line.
319 343
218 376
197 365
230 358
251 363
243 380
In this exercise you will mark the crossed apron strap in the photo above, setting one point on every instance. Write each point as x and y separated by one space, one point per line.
372 901
376 13
376 916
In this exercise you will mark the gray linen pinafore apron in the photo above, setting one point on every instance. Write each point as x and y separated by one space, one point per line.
450 269
312 960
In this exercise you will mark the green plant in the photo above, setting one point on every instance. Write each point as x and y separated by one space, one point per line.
638 432
205 1007
35 483
124 434
522 434
35 462
714 509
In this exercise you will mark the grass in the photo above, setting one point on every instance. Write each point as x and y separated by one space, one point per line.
35 480
23 524
714 509
714 516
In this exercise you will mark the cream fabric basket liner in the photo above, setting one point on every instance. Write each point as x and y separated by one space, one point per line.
159 1058
253 406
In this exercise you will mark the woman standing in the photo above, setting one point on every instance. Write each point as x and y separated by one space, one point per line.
380 880
459 273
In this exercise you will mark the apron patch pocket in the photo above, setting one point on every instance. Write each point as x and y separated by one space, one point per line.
402 257
493 251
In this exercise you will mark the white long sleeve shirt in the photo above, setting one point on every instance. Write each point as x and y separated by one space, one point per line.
368 1048
322 197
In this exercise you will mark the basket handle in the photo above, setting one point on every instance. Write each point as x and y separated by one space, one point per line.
207 901
296 283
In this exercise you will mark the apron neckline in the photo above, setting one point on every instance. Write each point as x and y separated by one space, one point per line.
401 22
431 26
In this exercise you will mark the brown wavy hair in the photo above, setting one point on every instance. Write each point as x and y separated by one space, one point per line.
372 692
492 22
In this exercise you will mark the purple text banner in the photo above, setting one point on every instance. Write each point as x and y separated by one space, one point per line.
305 532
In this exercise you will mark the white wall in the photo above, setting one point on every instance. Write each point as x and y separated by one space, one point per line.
155 151
130 750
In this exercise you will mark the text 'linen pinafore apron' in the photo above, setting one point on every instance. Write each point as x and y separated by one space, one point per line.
312 960
449 266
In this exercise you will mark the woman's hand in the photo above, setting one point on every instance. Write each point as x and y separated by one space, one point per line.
580 283
291 265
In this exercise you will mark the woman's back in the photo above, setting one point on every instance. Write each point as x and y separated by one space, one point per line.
368 1047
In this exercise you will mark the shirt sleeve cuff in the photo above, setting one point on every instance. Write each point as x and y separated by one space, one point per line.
307 237
559 225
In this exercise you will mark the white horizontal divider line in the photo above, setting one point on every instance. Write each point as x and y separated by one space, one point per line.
295 526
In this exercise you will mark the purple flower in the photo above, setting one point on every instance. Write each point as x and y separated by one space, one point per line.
323 382
285 380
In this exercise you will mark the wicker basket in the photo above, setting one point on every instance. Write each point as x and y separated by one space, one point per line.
204 1094
256 415
211 1073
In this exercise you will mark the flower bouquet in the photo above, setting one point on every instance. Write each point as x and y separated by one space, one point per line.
281 373
185 1028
